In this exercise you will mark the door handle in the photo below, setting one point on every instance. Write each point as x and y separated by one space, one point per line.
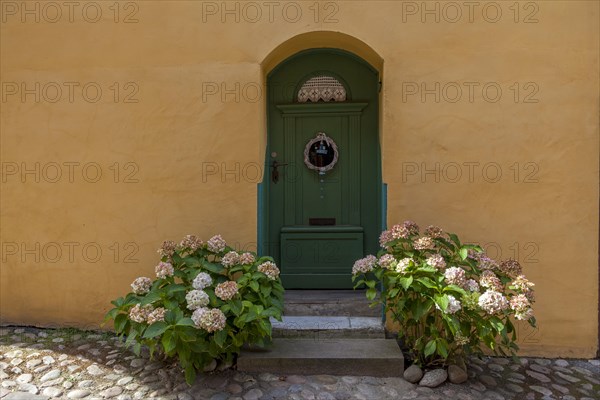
275 171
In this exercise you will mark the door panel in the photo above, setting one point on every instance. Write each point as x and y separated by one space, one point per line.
322 256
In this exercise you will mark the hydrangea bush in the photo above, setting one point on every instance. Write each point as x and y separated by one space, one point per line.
206 301
449 298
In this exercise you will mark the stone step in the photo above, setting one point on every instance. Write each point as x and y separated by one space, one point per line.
329 302
372 357
328 327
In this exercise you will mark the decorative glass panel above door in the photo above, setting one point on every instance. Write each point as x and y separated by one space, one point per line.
321 88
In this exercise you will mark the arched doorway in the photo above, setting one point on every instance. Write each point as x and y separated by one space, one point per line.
321 207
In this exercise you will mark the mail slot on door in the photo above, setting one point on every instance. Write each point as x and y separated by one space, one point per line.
321 221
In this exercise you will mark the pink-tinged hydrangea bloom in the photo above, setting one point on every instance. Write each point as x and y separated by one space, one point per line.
216 244
167 249
157 315
247 258
492 302
226 290
403 265
164 269
230 259
385 238
399 232
455 276
387 261
269 269
434 231
140 313
411 227
212 320
511 267
424 243
436 261
196 299
472 286
141 285
191 242
201 281
523 285
489 280
364 265
487 264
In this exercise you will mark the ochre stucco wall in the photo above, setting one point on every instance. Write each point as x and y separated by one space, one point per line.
178 137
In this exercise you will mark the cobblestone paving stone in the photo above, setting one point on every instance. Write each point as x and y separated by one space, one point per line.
68 364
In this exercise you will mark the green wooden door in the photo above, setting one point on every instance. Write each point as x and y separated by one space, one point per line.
317 225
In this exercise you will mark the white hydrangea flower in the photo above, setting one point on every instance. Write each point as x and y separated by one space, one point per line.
196 299
197 315
387 261
247 258
472 286
403 264
201 281
226 290
492 302
212 320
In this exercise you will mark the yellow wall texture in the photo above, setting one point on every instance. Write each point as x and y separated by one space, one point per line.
515 170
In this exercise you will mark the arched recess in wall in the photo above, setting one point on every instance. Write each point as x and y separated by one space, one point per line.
321 39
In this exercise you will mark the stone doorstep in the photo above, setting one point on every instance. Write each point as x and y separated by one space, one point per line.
329 302
359 357
328 327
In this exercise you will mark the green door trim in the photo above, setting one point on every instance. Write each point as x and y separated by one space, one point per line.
334 109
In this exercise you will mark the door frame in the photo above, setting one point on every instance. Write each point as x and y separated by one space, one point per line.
263 223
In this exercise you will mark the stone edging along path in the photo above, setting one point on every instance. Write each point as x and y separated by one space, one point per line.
69 364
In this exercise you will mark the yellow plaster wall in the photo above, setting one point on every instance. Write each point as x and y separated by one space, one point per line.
178 138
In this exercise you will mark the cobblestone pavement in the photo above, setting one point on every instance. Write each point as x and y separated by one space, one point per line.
69 364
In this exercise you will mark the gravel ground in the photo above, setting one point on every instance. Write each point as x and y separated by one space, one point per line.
70 364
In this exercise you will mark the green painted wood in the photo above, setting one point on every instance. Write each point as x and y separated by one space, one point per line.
350 193
322 255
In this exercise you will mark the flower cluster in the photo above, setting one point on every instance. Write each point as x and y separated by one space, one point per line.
201 281
140 313
455 276
434 232
196 299
216 244
364 265
489 280
226 290
386 261
269 269
157 315
424 243
493 302
141 285
521 306
230 259
403 265
164 269
190 243
209 319
436 261
246 259
511 267
167 249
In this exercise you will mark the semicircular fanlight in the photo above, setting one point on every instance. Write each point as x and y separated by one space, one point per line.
321 88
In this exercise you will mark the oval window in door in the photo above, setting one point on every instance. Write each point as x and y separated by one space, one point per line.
321 153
